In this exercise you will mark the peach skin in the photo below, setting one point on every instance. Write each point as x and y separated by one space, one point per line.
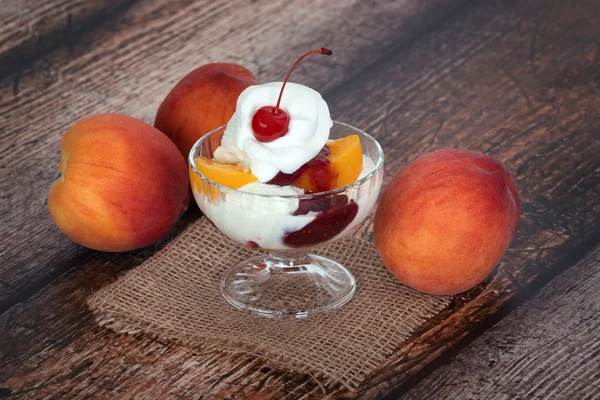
124 184
446 219
203 100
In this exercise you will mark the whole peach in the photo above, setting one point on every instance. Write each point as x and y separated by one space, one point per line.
446 219
203 100
124 184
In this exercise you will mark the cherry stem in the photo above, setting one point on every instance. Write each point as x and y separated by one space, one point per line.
322 50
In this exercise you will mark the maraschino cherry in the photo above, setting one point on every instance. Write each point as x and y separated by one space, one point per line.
270 123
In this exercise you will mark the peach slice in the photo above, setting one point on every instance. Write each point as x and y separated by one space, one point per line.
228 175
346 159
336 166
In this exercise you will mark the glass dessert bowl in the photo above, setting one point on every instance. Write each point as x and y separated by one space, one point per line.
288 281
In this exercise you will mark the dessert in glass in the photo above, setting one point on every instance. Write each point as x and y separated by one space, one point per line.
286 179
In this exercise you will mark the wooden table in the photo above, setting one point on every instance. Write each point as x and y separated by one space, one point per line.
518 80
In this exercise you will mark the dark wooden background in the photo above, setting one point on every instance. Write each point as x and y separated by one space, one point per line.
518 80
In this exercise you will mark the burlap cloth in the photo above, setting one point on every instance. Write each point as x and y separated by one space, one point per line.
175 296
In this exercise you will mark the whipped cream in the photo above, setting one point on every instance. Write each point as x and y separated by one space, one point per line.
309 128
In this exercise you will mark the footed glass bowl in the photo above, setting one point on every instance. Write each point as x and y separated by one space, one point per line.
287 280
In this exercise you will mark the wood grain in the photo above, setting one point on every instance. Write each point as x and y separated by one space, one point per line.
547 349
30 28
130 64
518 80
516 90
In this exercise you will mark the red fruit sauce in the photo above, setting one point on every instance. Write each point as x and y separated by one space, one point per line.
335 214
325 226
320 205
318 171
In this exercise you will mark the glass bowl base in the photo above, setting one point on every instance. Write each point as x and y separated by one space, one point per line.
288 285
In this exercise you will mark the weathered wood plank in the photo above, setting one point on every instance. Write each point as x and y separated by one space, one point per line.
430 95
30 28
131 64
547 349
